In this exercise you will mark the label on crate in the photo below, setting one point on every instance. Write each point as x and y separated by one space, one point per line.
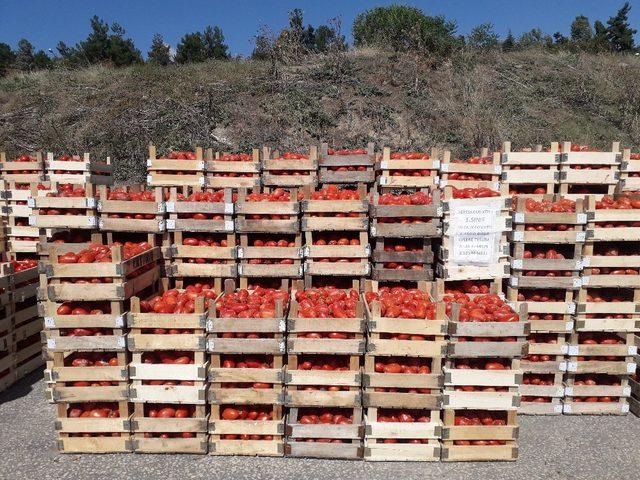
49 322
32 220
564 349
31 202
171 224
513 281
240 252
518 217
572 367
121 342
497 169
170 207
228 225
566 408
444 167
518 236
51 343
91 221
475 232
581 236
119 321
384 180
584 281
626 392
571 308
569 326
633 350
586 261
568 391
562 366
577 283
228 208
436 164
516 263
625 408
149 162
573 350
581 218
631 368
282 325
91 202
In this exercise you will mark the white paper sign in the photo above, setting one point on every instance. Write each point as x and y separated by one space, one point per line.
475 229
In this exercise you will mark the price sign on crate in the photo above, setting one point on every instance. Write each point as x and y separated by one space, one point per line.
475 229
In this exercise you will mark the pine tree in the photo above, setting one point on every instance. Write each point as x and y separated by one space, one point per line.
7 58
509 43
191 49
160 52
581 32
214 43
619 32
24 55
600 43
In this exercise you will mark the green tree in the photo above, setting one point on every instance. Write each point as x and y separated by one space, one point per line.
191 49
95 48
214 43
42 61
25 55
483 37
122 51
619 32
7 58
534 38
403 28
600 42
326 37
509 43
581 33
160 52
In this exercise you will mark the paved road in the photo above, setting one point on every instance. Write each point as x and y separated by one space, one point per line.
550 448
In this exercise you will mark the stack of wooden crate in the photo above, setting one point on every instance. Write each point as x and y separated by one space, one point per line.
347 166
84 305
77 170
268 225
324 373
530 173
546 262
402 377
246 344
482 377
289 169
602 346
588 172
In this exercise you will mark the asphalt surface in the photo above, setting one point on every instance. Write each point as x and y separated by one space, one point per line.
566 447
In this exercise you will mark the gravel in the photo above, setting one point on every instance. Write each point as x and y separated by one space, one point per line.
560 447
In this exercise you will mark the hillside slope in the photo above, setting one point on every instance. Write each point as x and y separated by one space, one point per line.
469 102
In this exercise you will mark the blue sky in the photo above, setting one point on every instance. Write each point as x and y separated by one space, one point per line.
45 22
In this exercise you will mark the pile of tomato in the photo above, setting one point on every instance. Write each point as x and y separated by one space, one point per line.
417 198
175 301
233 157
337 239
258 303
327 302
410 156
324 416
400 302
541 295
204 240
599 338
248 413
563 205
482 308
515 190
624 202
168 358
67 158
482 192
180 155
65 190
92 359
332 192
241 361
349 168
169 411
608 296
22 265
277 195
404 416
83 308
97 253
471 287
466 418
537 338
85 332
94 410
24 159
291 156
596 380
539 253
471 176
538 379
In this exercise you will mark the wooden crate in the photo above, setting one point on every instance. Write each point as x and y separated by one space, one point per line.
275 327
387 260
619 316
338 441
616 359
377 346
377 434
22 172
347 168
482 174
83 209
541 399
130 216
388 219
530 173
72 432
222 171
598 399
562 309
246 210
453 437
165 172
169 435
272 432
595 172
414 172
280 171
79 170
629 172
124 278
622 221
269 261
218 215
220 261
